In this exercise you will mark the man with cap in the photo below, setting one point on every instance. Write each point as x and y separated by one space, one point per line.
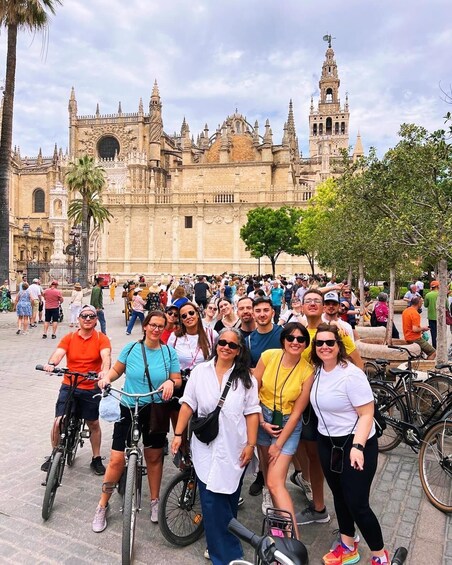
85 350
97 300
430 300
53 299
331 313
35 291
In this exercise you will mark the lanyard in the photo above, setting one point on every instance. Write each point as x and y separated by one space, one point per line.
284 383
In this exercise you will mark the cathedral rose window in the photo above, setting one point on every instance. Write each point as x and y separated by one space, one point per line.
107 147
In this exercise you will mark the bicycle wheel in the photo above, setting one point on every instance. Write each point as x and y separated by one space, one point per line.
435 465
373 371
442 383
424 401
391 406
180 514
130 509
75 427
53 482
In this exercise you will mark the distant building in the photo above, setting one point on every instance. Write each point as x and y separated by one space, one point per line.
178 201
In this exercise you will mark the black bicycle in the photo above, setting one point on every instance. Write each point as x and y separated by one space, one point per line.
73 432
131 481
180 513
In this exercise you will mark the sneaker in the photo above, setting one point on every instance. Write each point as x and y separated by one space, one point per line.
127 333
18 332
40 321
46 465
297 479
240 502
337 539
100 519
258 484
44 336
206 554
267 501
155 510
53 336
97 466
310 515
342 555
380 560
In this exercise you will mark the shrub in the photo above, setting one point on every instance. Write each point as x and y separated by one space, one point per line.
375 291
402 291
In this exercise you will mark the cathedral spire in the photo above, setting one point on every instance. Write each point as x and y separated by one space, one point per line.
358 150
290 119
72 107
155 125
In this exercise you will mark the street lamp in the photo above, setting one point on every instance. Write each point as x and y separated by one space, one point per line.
26 230
39 237
74 248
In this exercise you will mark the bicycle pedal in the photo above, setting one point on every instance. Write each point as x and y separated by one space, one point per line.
144 471
85 434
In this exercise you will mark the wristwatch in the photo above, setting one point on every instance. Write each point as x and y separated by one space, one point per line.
359 446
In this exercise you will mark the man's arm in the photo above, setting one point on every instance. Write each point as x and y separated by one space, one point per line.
55 358
106 361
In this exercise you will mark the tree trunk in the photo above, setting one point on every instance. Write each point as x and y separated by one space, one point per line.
441 338
273 261
392 280
361 291
350 276
5 150
84 240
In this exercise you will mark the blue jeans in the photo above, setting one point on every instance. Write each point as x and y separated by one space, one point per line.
133 319
217 511
101 318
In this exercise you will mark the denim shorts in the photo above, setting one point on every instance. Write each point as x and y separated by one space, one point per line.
265 439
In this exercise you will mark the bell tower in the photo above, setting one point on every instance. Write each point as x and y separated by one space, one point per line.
328 124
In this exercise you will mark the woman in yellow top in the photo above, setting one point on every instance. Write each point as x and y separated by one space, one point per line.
285 379
113 286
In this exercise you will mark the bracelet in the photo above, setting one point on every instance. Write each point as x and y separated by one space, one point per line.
168 379
177 435
50 363
253 445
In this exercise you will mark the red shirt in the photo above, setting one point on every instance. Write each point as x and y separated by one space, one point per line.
53 298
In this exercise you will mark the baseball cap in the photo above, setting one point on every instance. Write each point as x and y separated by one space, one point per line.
35 280
434 284
88 307
331 296
54 283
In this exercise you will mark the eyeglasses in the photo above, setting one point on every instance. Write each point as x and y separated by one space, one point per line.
299 338
212 308
346 292
172 313
328 342
189 313
155 327
88 316
230 344
313 301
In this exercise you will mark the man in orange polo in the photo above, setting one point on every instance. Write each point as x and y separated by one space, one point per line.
85 350
412 329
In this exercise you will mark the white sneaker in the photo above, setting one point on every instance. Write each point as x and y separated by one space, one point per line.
206 554
155 510
267 501
100 519
297 479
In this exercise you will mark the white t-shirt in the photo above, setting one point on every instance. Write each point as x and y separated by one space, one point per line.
344 326
188 351
292 316
334 397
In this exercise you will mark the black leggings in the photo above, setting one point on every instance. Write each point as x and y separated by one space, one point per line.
351 489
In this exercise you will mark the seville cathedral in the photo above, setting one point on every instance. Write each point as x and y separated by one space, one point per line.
178 201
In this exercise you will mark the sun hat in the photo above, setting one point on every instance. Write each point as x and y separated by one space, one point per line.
78 286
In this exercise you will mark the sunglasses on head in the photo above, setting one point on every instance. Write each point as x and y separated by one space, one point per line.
88 316
299 338
186 315
328 342
230 344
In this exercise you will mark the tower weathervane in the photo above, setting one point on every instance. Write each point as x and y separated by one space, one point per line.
328 38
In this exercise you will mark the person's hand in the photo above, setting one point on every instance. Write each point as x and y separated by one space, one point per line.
167 389
246 455
175 444
49 368
272 429
103 380
357 459
274 451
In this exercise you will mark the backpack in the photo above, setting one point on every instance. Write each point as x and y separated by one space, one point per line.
153 301
373 319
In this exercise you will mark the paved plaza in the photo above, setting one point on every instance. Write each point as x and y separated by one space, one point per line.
27 400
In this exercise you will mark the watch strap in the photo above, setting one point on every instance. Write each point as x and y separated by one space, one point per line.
359 446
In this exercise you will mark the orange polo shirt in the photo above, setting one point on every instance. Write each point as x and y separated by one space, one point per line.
410 318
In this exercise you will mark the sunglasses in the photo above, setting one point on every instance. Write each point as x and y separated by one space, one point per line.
328 342
189 313
172 313
88 316
230 344
299 338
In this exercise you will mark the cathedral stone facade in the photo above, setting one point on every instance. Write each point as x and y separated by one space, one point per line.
178 200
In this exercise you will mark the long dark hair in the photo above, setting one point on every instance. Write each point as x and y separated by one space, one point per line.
203 340
342 357
242 362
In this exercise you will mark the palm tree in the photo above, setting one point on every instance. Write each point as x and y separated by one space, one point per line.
88 179
14 15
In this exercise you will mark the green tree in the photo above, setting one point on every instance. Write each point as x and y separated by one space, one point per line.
269 232
88 179
14 15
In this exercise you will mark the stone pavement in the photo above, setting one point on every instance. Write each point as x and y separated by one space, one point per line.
27 400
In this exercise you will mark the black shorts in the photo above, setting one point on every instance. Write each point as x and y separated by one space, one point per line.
309 422
86 406
52 314
121 432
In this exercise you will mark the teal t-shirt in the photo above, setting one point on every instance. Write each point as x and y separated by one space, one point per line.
161 362
277 296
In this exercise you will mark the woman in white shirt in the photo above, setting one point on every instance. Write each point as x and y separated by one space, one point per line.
220 465
75 304
343 402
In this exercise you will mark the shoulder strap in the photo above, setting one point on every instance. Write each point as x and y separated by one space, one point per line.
146 369
225 392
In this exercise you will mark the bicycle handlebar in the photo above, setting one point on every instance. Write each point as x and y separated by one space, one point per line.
109 388
404 350
243 533
91 375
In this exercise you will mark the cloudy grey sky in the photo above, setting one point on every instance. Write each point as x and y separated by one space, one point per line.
211 56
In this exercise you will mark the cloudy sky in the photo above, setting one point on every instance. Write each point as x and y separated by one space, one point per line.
212 56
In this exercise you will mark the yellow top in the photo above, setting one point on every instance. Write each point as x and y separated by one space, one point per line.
288 388
347 340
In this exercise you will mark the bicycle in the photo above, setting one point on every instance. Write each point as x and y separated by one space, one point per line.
131 481
180 513
73 431
441 381
285 551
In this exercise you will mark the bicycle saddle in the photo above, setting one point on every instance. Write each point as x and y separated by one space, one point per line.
382 361
294 549
397 372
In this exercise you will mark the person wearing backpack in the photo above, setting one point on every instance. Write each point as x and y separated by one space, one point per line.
380 313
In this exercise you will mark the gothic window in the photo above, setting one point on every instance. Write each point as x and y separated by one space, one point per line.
329 95
107 147
188 222
336 128
238 128
57 208
329 126
314 129
39 200
320 129
342 127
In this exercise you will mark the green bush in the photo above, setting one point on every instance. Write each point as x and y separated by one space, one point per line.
375 291
402 291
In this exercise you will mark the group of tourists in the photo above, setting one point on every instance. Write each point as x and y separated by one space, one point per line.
292 391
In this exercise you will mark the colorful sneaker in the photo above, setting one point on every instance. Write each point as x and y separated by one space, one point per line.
100 519
310 515
97 466
297 479
380 560
155 510
267 501
337 539
342 556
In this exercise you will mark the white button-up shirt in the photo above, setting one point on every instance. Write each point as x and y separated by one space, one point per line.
218 463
